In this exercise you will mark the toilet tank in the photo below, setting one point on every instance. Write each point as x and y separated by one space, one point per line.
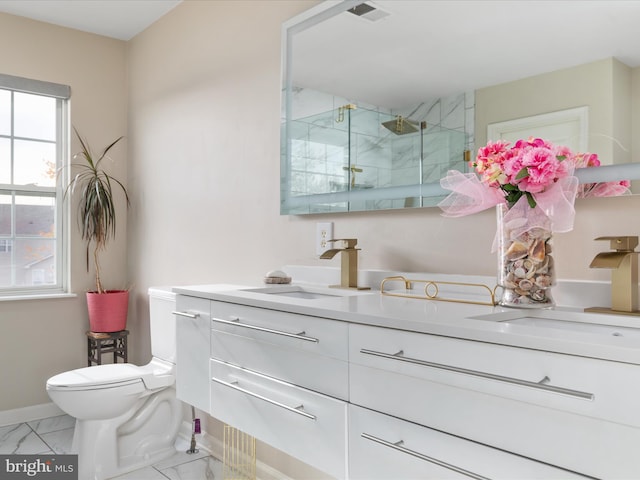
162 304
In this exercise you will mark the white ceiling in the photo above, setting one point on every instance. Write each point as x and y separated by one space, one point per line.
121 19
427 49
435 46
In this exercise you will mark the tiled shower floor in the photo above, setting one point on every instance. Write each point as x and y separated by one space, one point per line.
55 434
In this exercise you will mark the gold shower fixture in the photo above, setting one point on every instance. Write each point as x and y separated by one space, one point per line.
402 126
342 109
353 170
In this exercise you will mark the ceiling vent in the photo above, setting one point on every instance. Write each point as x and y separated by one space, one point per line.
368 11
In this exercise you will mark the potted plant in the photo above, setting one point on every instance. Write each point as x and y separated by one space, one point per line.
97 223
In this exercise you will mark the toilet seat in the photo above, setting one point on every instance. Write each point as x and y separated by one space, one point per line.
112 376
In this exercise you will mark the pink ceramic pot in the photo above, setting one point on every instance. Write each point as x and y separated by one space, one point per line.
108 311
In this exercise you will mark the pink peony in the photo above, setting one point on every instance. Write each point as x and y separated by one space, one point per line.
584 160
543 169
529 166
604 189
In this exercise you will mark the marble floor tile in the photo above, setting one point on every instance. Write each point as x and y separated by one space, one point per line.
60 440
181 456
55 436
52 424
147 473
21 439
207 468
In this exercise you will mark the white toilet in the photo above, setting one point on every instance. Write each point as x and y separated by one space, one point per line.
127 416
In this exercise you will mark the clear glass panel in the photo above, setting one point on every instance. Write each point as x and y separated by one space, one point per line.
5 160
5 215
318 148
35 216
5 112
5 269
35 116
34 163
34 261
28 257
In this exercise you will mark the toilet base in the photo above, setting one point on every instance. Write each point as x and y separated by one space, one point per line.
142 436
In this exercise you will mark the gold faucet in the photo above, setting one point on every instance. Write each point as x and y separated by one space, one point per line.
623 263
349 263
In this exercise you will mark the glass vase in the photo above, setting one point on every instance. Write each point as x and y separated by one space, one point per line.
525 264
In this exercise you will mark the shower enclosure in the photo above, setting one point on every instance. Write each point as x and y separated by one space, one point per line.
351 148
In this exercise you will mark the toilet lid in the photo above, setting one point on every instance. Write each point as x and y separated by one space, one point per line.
100 376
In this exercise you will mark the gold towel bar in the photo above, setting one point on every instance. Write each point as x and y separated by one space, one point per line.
431 290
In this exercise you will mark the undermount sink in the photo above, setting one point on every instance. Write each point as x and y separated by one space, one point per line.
305 292
578 322
593 328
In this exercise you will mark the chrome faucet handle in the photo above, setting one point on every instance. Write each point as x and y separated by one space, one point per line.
622 243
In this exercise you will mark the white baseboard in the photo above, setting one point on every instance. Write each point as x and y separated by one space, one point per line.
215 447
28 414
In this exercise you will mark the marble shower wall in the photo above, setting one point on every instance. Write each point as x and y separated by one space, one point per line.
326 140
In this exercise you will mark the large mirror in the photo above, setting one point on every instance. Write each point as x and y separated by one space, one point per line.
381 98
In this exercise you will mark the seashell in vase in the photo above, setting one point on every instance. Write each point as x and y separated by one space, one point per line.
525 264
516 251
537 251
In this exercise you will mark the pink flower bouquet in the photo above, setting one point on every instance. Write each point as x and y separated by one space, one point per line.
533 170
529 167
532 183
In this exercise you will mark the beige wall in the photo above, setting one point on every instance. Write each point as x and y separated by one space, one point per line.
604 86
42 337
635 111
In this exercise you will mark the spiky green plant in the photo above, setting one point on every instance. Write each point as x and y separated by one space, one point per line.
96 207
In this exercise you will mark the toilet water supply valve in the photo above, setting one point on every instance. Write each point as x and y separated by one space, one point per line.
195 429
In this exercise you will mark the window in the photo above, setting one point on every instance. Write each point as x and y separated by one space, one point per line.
33 147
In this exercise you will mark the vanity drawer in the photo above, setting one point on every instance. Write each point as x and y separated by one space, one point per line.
585 386
305 333
584 418
306 351
303 424
192 350
322 374
386 448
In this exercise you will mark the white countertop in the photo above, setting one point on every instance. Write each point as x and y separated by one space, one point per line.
457 320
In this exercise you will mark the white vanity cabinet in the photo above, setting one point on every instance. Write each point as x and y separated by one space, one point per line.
374 402
192 350
304 424
382 447
307 351
282 378
579 414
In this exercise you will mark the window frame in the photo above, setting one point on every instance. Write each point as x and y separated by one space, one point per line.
62 94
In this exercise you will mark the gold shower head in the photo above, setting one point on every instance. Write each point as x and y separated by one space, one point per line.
401 125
